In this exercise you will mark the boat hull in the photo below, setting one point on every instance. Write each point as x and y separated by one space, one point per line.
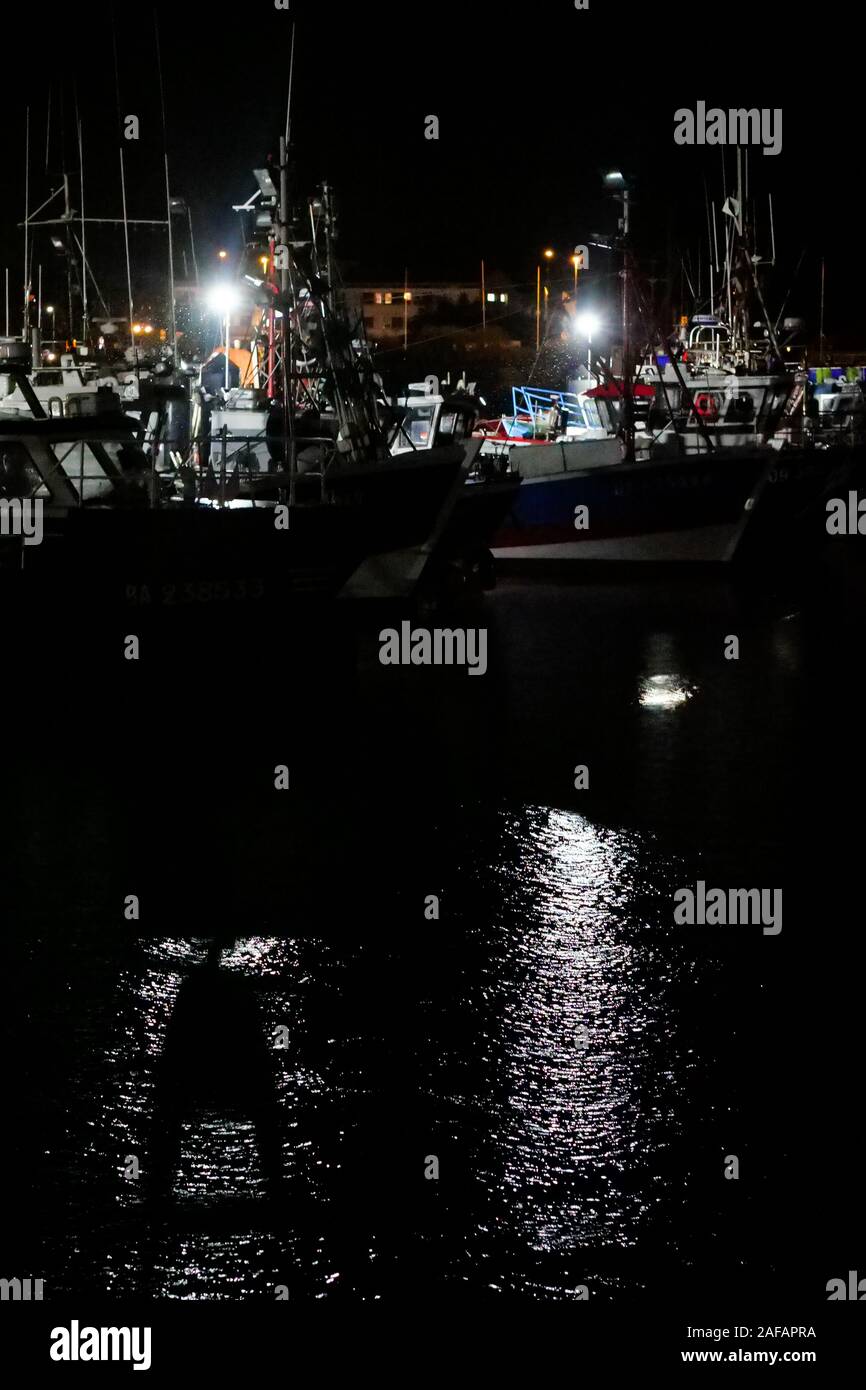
658 511
699 509
177 555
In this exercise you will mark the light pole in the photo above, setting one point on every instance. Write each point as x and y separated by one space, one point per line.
616 181
222 299
548 256
587 324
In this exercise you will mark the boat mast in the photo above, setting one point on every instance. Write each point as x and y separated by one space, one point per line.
123 185
287 345
26 314
627 374
821 318
167 192
84 321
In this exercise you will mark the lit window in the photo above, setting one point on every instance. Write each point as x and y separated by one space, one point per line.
491 299
389 298
378 296
407 294
503 299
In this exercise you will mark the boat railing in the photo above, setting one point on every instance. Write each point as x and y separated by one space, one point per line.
117 467
541 404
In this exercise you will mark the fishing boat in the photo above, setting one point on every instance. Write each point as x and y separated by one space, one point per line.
424 419
307 500
697 454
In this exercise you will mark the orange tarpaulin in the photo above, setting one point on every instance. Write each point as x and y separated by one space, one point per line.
243 360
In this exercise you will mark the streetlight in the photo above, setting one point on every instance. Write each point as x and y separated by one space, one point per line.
548 255
222 299
586 325
223 255
617 182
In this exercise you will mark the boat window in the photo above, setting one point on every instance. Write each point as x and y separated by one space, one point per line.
49 378
418 424
448 423
19 476
740 407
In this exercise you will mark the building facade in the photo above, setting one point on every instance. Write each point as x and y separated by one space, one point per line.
388 309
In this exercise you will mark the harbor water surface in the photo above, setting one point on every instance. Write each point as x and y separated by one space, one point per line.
531 1086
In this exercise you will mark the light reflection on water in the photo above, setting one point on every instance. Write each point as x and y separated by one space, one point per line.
665 692
554 1065
588 1082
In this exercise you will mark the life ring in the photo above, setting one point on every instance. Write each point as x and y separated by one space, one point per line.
706 405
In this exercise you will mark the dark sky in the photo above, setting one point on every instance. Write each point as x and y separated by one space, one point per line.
533 104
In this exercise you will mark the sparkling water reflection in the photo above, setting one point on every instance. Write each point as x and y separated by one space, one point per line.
574 1061
544 1045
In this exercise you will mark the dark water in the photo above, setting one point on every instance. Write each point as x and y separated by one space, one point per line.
579 1065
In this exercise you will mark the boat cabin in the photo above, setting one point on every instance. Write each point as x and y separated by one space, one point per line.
424 418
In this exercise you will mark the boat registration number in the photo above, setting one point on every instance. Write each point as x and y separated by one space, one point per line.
196 591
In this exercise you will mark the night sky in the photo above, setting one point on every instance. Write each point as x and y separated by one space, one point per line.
534 103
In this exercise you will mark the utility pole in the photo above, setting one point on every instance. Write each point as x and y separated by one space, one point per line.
483 304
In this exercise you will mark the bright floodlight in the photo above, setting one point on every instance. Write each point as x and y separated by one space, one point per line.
587 325
222 299
614 177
